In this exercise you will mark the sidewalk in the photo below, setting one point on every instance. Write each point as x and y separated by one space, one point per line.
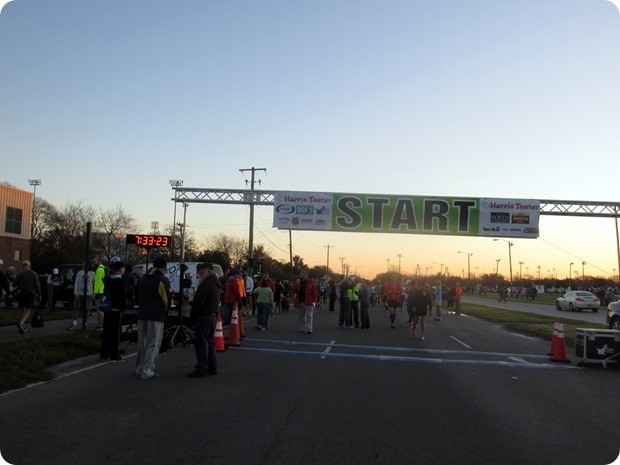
10 333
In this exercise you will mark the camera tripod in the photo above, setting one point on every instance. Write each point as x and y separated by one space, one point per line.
179 333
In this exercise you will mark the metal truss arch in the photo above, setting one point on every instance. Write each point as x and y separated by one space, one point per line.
266 197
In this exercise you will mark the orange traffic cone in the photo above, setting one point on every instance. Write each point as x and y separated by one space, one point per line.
241 326
559 350
554 337
219 336
233 332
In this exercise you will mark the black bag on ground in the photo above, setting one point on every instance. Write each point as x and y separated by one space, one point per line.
37 320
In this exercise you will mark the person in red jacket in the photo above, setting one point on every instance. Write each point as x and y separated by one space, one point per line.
232 296
306 295
458 295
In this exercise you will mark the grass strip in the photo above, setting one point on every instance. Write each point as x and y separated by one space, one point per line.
528 324
27 362
10 316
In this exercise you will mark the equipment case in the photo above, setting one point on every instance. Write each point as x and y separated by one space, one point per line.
597 345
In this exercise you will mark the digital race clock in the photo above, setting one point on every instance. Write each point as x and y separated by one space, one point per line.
148 241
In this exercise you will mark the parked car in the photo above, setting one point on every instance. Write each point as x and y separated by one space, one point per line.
65 294
613 315
578 300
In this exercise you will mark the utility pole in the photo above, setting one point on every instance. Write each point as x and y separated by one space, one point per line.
290 247
251 240
469 254
328 247
342 259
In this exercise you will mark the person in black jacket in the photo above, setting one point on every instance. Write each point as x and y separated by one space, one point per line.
4 282
203 313
154 300
111 334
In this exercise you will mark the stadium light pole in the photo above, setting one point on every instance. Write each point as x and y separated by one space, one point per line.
174 183
34 183
583 274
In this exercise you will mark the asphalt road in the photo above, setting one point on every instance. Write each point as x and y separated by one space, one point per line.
471 393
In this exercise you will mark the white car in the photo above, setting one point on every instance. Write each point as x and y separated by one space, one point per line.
578 300
613 315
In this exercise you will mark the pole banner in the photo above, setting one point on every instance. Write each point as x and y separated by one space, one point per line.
406 214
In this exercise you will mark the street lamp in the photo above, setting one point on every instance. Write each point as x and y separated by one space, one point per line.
400 255
34 183
182 227
520 264
469 254
497 260
174 183
570 270
510 244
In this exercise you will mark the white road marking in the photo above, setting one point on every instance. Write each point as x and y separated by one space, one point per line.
460 342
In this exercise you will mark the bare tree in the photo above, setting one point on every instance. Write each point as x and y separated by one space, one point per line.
234 248
76 216
111 227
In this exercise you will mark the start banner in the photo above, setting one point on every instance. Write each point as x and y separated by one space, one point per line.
406 214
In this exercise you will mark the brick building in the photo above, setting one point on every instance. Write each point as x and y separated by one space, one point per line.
15 223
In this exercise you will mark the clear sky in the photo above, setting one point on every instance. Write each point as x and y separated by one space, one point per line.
105 102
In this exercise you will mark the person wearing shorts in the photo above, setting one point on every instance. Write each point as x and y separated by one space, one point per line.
28 287
393 291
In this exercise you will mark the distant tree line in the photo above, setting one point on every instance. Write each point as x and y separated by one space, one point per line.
59 237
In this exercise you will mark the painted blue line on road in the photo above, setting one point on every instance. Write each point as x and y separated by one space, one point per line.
398 349
394 358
